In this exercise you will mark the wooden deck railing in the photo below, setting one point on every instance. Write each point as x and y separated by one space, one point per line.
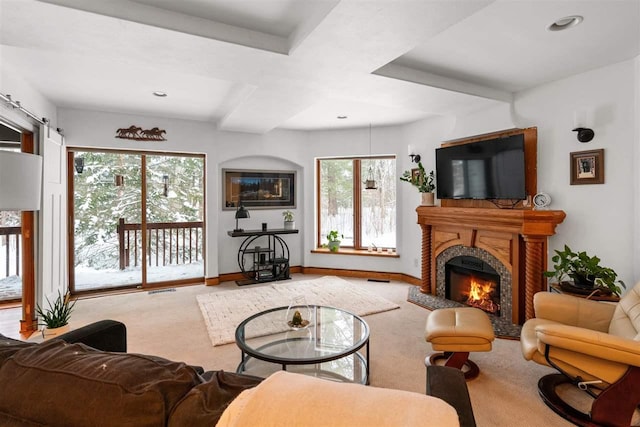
9 236
167 242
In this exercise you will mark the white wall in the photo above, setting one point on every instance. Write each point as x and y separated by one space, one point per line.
424 137
601 219
228 246
636 175
280 150
11 83
353 142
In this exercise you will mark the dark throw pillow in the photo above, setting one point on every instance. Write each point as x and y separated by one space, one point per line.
60 384
205 403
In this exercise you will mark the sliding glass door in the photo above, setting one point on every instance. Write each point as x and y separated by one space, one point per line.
175 213
107 196
137 219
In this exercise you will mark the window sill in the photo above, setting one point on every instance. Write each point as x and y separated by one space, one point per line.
351 251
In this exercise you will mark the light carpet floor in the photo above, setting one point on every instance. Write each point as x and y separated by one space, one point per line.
224 311
170 325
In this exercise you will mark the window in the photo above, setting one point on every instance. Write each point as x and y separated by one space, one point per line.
138 219
363 217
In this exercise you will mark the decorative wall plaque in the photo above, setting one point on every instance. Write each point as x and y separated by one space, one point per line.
138 134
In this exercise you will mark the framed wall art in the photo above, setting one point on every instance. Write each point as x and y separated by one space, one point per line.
258 189
415 175
587 167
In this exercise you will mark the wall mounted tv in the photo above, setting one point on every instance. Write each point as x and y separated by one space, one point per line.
491 169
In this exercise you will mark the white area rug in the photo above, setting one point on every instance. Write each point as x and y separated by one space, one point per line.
224 311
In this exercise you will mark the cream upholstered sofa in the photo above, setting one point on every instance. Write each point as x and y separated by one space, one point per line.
594 345
286 399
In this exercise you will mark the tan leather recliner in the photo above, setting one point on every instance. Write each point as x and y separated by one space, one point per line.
596 346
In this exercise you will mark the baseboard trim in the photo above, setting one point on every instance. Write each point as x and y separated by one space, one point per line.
360 274
212 281
232 277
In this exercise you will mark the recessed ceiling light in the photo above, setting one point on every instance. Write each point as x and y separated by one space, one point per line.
342 117
565 23
160 93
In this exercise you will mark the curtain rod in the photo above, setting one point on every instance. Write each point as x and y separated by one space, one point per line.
16 104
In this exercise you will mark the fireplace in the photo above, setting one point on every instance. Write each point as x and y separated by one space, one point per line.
511 241
473 282
462 263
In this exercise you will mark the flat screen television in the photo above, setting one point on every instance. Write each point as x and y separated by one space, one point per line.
491 169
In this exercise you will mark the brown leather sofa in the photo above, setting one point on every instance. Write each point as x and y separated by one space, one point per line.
63 382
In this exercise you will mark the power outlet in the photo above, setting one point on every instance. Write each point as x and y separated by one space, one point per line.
416 262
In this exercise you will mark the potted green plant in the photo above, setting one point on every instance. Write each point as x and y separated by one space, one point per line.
289 223
56 317
334 240
425 183
585 272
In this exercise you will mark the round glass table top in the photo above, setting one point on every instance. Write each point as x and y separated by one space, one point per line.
328 334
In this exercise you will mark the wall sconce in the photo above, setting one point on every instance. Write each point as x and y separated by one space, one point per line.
79 164
165 181
241 213
585 134
415 158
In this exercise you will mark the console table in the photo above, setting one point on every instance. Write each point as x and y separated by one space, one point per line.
260 263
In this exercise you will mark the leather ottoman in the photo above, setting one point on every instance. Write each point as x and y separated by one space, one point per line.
456 332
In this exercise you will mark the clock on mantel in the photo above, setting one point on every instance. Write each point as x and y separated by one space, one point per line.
541 201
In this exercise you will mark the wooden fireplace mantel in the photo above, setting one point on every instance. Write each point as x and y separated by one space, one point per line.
518 238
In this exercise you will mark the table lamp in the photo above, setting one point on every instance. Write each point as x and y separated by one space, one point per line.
241 213
20 181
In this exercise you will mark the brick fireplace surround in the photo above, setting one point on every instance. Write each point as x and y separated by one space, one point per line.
517 238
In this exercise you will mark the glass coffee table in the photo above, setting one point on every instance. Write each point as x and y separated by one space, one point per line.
328 347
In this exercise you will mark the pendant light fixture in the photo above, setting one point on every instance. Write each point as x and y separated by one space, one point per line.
370 183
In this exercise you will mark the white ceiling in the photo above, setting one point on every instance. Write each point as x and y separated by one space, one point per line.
257 65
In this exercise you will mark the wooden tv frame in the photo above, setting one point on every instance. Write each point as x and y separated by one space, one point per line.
530 161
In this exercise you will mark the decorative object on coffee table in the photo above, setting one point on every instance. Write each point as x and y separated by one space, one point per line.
298 313
338 336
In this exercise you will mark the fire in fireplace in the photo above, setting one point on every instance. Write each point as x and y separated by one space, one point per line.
473 282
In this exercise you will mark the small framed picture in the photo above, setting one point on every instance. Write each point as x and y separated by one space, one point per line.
587 167
415 175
